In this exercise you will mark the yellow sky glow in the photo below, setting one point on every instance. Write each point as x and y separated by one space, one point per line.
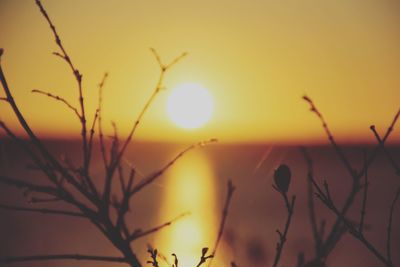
257 58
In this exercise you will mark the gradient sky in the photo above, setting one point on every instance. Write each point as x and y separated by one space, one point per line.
257 58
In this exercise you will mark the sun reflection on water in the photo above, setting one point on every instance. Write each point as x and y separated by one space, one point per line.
189 187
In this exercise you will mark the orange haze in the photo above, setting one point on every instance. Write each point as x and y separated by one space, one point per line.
257 58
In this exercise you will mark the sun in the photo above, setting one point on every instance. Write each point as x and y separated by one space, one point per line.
190 105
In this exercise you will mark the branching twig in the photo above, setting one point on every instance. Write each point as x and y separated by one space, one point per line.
153 254
387 153
204 257
326 199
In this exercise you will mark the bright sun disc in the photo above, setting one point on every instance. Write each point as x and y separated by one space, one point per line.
190 106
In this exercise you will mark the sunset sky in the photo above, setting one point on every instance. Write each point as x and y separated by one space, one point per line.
256 58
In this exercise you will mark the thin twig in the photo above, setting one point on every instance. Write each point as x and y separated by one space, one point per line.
204 257
78 77
139 233
157 89
389 228
387 153
62 257
148 180
100 109
326 199
365 196
230 190
44 211
58 98
335 233
310 197
338 149
283 236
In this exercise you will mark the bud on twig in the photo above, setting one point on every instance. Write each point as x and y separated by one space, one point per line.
282 178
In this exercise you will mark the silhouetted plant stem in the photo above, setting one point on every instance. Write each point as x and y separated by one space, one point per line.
365 196
63 257
43 211
324 196
230 190
310 202
335 232
385 151
283 235
389 227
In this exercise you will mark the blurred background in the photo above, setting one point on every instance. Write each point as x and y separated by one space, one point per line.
197 184
255 60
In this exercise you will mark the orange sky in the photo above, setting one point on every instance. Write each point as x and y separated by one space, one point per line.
257 58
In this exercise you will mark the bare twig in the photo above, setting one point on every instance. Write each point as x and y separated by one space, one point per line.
44 211
157 89
148 180
335 232
78 76
326 199
365 196
230 190
310 196
387 153
58 98
204 257
283 235
338 149
62 257
389 228
34 187
139 233
100 109
153 254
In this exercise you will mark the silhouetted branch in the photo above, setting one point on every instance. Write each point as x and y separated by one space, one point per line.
78 76
176 262
58 98
385 151
148 180
326 199
204 257
338 149
283 235
365 196
33 187
158 87
62 257
389 228
100 109
139 233
310 197
44 211
153 255
335 232
230 190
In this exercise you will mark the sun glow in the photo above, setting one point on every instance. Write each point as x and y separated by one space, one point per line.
190 106
190 188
